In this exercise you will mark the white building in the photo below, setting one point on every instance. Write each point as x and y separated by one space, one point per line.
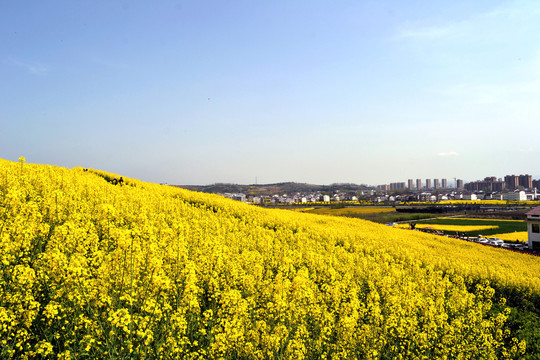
239 197
533 228
514 196
326 198
469 197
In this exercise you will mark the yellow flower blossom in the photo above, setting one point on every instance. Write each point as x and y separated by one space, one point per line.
96 268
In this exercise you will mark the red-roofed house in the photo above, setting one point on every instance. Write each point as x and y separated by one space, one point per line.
533 227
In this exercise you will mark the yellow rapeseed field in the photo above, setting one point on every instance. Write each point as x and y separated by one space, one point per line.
94 270
522 236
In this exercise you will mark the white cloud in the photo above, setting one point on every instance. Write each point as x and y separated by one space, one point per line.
34 68
450 153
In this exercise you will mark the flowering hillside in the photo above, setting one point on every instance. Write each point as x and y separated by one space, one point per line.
90 269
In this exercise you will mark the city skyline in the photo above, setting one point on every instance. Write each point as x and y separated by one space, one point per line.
490 183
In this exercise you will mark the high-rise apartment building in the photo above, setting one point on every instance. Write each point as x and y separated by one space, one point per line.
428 183
410 184
512 181
498 186
489 184
525 181
436 184
459 184
444 184
419 184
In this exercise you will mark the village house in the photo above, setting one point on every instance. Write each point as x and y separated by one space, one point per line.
533 228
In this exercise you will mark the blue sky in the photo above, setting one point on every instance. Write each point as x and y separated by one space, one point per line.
198 92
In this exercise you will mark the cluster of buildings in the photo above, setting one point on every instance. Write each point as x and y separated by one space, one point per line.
510 182
489 184
299 198
511 187
418 185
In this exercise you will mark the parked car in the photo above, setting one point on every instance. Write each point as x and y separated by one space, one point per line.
495 241
482 240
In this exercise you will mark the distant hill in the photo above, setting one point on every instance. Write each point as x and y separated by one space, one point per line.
277 188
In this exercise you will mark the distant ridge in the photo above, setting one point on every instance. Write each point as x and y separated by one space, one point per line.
277 188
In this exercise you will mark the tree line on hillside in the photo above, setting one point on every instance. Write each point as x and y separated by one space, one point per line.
270 189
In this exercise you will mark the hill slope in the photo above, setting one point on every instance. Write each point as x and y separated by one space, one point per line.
92 269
